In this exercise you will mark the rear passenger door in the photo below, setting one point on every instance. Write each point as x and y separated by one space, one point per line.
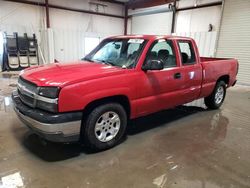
191 70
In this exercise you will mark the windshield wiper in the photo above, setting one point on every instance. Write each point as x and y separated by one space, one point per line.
88 59
107 62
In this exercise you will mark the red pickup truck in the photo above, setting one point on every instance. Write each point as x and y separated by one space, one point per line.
123 78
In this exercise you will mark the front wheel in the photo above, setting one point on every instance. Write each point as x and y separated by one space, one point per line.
105 126
216 99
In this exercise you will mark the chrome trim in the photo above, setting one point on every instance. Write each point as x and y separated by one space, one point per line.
24 90
45 99
67 128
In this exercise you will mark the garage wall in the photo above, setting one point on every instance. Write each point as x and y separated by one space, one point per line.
234 37
20 17
158 24
15 17
68 28
190 23
153 20
69 34
197 20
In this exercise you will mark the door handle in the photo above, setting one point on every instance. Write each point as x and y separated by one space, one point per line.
177 75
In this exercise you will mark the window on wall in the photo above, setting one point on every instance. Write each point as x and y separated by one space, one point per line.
187 52
90 43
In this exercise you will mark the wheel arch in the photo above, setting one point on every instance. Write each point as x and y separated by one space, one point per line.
121 99
225 78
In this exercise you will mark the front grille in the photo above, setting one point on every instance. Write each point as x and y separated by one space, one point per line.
26 99
26 91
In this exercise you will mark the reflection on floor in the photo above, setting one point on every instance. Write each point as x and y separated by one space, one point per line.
188 146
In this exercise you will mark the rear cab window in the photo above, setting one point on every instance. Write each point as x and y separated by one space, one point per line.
187 52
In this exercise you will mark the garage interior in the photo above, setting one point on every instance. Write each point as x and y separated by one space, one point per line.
187 146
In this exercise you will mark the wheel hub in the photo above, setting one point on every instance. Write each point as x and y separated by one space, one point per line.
219 95
107 126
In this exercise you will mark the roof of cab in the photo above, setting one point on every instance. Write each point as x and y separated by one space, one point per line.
149 37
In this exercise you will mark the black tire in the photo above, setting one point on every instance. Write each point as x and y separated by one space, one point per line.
210 101
88 131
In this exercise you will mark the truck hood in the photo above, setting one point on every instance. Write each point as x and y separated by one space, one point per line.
68 73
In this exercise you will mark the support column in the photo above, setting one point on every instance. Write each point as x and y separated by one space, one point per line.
47 13
126 20
173 18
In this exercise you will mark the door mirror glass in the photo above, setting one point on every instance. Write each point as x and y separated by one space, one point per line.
153 65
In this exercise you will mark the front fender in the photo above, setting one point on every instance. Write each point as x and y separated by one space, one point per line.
72 99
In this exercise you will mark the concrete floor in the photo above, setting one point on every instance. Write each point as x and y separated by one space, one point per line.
185 147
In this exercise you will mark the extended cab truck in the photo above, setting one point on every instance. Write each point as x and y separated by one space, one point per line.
123 78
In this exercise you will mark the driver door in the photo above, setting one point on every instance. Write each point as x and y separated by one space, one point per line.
160 89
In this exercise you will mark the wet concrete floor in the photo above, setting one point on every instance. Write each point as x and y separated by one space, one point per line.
187 147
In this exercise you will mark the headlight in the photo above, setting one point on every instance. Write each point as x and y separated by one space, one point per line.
51 107
50 92
48 98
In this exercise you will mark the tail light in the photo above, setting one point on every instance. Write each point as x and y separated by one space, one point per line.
237 68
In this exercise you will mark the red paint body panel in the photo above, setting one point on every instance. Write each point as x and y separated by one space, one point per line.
82 82
70 73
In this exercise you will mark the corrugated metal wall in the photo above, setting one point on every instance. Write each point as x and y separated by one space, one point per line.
206 42
64 41
160 24
68 44
234 38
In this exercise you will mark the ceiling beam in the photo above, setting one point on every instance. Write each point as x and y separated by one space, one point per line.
134 4
28 2
113 1
200 6
65 8
85 11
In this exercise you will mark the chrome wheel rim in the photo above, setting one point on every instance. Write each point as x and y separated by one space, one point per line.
107 126
219 95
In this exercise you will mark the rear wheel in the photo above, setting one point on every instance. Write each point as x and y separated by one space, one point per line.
105 126
216 99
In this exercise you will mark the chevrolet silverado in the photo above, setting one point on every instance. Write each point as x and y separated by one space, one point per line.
124 77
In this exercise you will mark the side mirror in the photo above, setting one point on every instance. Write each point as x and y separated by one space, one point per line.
153 65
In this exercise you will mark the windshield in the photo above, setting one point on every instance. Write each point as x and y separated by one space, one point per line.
123 53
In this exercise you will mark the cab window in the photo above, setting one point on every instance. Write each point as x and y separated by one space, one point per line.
163 50
187 52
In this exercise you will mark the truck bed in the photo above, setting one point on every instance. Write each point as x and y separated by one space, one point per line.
213 69
209 59
205 59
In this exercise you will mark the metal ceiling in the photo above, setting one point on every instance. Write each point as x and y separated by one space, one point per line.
134 4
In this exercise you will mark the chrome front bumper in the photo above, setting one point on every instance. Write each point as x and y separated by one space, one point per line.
62 127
